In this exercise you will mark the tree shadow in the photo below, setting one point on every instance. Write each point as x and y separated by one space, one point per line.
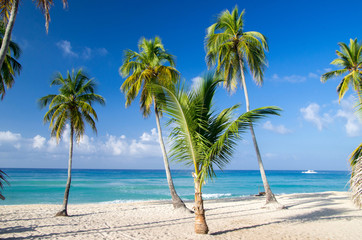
244 228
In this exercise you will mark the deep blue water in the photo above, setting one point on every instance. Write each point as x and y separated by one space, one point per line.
33 186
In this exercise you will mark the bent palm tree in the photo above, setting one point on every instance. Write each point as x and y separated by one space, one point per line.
202 138
141 69
3 180
233 50
11 67
9 19
356 176
72 105
350 60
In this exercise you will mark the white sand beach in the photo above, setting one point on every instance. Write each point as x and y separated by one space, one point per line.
326 215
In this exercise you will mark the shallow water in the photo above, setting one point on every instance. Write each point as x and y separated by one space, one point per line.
34 186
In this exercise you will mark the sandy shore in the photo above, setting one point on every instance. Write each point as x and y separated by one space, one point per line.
327 215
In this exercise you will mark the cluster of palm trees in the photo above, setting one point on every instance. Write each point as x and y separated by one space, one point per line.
200 136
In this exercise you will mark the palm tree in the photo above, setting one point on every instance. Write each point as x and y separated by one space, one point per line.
233 50
72 105
9 18
350 60
11 66
356 176
3 180
202 138
141 69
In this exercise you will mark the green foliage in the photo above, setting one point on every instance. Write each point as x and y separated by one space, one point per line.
231 49
200 136
144 68
11 66
73 104
350 60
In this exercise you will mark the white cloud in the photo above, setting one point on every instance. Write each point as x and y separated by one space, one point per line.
311 113
9 136
86 53
66 48
38 142
353 124
281 129
115 145
146 137
196 81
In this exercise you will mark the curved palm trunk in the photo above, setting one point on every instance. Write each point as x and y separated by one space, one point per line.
9 29
176 200
270 198
200 221
63 210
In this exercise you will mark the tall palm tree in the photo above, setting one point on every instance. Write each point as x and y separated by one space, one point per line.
9 18
233 51
11 66
3 180
72 105
141 69
350 61
202 138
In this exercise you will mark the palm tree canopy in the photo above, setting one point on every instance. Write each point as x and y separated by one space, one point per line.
200 136
43 5
227 44
145 67
73 104
350 61
11 66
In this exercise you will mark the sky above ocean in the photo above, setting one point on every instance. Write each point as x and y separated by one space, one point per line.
313 132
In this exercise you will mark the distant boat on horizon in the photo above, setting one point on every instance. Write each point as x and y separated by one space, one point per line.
309 171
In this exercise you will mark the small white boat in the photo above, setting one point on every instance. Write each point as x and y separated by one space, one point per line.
309 171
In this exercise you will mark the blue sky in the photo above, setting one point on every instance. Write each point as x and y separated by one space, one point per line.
314 131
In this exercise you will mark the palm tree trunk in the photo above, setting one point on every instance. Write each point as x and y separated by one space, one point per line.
63 211
270 198
200 221
9 29
176 200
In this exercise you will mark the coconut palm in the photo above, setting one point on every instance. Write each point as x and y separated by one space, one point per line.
141 69
3 180
356 176
73 106
202 138
350 61
8 12
233 51
11 66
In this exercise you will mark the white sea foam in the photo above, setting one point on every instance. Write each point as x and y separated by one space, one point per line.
216 195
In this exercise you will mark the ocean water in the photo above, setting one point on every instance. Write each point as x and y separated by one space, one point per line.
39 186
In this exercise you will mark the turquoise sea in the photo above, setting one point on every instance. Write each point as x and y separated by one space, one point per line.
34 186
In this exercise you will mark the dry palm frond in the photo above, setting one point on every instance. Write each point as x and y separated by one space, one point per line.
356 183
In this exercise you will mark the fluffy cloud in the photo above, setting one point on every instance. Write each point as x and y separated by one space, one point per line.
353 124
346 110
311 113
38 142
196 81
87 53
66 48
281 129
146 145
9 136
